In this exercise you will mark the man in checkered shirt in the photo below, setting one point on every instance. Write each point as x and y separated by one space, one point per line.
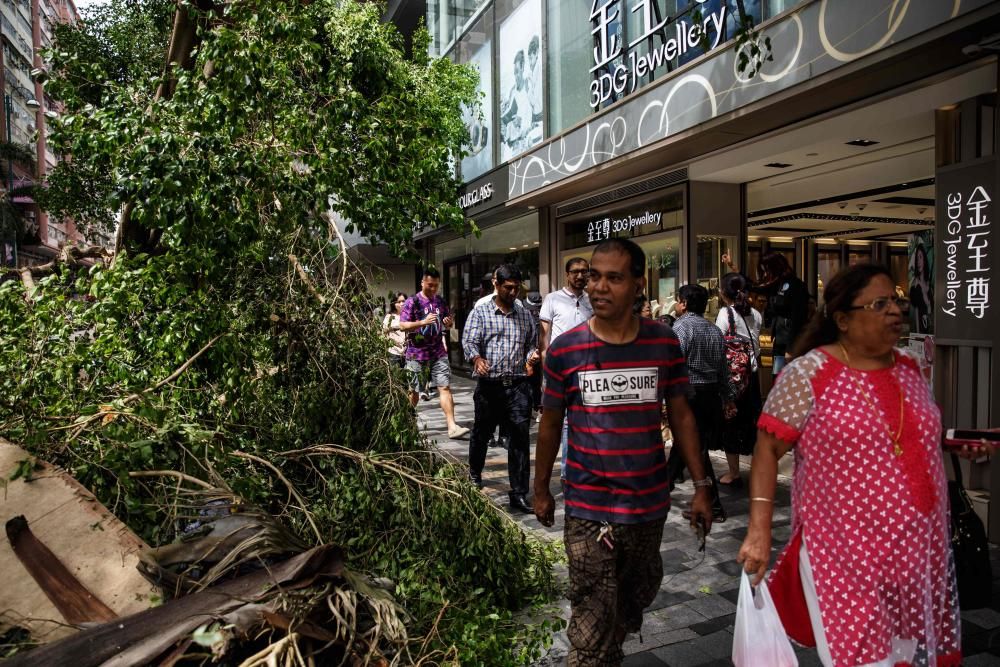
710 391
499 341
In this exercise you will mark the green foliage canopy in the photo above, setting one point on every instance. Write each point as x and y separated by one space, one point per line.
291 109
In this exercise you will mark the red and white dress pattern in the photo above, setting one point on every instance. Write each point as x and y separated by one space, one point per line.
875 523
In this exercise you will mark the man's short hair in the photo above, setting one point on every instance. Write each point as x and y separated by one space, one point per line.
431 272
637 258
507 272
575 260
533 45
695 297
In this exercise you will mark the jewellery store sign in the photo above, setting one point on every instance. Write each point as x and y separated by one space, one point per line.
618 67
621 225
965 252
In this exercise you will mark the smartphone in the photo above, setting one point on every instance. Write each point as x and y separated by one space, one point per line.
963 437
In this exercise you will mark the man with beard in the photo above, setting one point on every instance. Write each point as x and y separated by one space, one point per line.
562 311
499 341
611 375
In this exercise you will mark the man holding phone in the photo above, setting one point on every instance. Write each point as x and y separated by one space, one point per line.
611 375
425 317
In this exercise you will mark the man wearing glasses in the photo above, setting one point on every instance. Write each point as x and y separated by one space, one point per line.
562 311
499 342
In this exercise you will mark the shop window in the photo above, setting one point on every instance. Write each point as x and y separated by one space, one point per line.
464 262
828 263
663 267
520 69
859 254
709 268
476 49
446 20
570 49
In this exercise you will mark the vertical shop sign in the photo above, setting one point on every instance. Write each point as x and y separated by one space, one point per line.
966 254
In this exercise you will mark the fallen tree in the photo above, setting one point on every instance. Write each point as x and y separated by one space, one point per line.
233 340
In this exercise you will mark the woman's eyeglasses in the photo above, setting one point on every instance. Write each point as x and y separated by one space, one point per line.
880 304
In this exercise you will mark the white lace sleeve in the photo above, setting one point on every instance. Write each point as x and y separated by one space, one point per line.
791 399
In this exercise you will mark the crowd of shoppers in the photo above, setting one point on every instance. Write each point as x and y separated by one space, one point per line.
868 575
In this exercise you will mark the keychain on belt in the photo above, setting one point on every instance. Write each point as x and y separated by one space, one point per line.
606 536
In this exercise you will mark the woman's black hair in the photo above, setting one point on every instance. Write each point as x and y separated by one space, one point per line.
640 301
838 297
734 287
775 265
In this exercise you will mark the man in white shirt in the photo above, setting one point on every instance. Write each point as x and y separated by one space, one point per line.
565 310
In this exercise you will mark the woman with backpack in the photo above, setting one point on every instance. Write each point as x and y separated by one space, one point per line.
740 324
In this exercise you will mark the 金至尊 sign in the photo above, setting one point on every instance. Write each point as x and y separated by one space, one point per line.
965 252
619 67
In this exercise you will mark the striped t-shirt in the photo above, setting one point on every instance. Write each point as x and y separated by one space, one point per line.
615 466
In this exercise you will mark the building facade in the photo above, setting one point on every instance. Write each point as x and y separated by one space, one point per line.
839 132
26 27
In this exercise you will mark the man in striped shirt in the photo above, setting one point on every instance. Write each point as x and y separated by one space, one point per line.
611 375
499 341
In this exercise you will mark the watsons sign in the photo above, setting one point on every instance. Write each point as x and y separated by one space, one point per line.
675 38
477 196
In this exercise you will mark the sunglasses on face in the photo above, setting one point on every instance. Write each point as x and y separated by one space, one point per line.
880 304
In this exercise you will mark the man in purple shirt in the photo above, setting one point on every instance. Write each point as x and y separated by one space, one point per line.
425 318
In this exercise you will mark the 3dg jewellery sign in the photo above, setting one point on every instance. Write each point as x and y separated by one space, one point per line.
676 37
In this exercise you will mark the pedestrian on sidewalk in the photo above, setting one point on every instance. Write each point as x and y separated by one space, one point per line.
709 391
500 342
737 316
562 311
610 376
425 318
395 336
868 576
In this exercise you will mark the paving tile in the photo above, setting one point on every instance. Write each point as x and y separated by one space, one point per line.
672 618
714 625
980 660
654 641
645 659
987 619
711 606
667 598
697 652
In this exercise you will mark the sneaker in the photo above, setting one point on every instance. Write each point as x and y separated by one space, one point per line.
457 432
424 396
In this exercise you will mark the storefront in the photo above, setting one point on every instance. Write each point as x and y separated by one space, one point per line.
635 118
504 235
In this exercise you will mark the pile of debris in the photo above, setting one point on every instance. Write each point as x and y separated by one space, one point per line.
239 588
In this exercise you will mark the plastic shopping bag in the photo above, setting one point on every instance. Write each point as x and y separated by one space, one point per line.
759 639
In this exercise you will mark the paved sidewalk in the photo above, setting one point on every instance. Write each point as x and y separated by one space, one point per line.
690 624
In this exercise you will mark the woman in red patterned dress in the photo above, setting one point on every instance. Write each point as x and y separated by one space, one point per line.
867 576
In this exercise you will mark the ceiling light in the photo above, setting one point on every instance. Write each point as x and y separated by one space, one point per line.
778 165
536 242
511 248
525 245
863 143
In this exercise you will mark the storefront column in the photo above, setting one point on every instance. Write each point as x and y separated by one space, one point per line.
966 319
716 214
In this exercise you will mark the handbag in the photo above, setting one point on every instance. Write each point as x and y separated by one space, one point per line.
969 546
759 638
739 352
